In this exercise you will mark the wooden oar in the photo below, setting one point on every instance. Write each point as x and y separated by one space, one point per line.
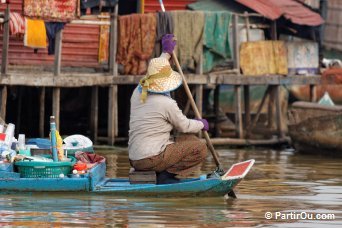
194 107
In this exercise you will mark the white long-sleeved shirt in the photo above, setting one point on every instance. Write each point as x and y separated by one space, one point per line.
151 123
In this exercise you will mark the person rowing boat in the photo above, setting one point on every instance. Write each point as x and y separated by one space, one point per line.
154 114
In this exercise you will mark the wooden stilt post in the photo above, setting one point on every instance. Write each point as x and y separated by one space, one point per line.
4 62
274 35
247 26
3 102
236 42
272 97
278 112
113 90
271 105
238 111
256 118
199 102
112 114
188 103
246 87
41 112
237 88
199 91
217 109
5 42
57 71
94 113
247 105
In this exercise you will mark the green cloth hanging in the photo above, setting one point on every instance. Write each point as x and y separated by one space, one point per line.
216 47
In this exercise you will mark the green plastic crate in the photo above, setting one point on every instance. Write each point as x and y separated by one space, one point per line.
34 169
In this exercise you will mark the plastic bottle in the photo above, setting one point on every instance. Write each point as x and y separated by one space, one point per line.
21 141
53 139
9 134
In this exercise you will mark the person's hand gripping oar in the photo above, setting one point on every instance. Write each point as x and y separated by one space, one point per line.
219 169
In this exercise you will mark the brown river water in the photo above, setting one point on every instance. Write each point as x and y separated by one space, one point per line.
294 188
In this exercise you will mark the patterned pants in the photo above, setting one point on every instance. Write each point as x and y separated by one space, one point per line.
181 157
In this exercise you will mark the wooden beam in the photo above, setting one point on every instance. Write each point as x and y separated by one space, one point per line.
271 105
274 35
58 52
113 89
199 102
246 142
5 42
238 111
256 118
56 108
94 113
89 22
279 119
187 105
3 102
247 105
217 109
112 114
199 98
247 26
56 94
41 112
72 79
236 42
113 68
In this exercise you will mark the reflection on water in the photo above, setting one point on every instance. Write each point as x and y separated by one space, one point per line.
280 181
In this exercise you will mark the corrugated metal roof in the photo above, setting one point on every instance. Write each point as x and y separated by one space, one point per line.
80 45
290 9
153 5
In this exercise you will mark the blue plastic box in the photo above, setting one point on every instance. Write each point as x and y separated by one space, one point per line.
7 167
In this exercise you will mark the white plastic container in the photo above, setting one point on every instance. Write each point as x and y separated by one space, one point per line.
9 134
21 141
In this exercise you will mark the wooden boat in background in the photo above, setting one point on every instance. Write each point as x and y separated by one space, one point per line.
331 83
316 128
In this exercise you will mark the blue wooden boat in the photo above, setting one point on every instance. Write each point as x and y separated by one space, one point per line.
95 182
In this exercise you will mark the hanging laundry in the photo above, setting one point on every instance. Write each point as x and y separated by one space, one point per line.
216 39
52 28
52 10
188 29
35 34
263 58
136 39
104 41
16 24
164 26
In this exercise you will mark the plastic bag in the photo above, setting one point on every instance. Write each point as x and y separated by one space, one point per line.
326 100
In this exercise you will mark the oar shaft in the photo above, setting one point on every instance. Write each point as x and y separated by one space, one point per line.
197 114
193 104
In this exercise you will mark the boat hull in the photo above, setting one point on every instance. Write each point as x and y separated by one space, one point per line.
95 182
315 128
